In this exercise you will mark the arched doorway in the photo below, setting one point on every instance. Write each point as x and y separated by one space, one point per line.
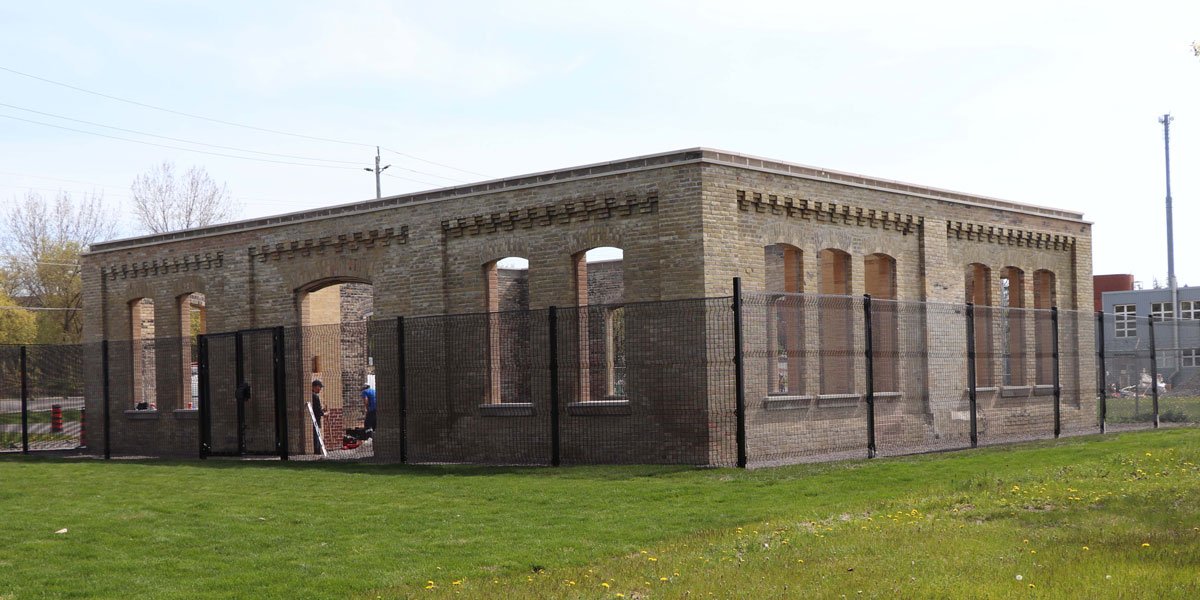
334 316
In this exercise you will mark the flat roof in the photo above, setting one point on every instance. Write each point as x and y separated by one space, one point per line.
625 165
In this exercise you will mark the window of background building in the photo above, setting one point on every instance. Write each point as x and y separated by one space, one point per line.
1125 320
1191 357
1162 311
1189 309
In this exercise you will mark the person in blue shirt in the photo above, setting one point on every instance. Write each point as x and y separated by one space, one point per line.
368 395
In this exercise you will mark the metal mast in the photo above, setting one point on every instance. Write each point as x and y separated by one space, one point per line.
1171 281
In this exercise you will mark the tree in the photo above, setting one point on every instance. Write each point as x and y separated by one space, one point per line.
17 325
41 247
165 203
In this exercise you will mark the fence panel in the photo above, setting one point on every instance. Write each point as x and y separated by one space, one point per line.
805 390
56 398
10 399
478 388
1178 349
920 369
1128 376
647 382
1019 403
1077 372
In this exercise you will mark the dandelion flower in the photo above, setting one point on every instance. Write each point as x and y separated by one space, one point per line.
605 584
1085 548
1146 544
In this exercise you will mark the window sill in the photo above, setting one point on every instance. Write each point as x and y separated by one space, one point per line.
838 400
1014 391
612 407
991 389
1043 390
187 414
888 395
786 402
507 409
141 415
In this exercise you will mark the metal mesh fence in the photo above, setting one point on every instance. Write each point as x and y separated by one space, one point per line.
922 348
804 383
478 388
824 377
41 397
1129 378
1020 403
1178 363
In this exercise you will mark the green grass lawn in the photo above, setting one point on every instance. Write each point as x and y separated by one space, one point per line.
39 416
1100 516
10 439
1181 409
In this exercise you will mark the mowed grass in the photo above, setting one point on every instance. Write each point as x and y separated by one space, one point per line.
1102 516
1171 409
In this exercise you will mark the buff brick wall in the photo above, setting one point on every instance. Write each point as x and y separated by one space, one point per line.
685 232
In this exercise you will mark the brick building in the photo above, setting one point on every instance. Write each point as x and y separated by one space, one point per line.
686 223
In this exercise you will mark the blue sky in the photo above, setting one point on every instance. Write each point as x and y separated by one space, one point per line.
1050 103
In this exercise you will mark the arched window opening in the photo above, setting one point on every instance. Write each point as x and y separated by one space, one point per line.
1012 297
141 337
879 278
334 319
600 296
193 322
836 327
1044 298
979 293
784 268
506 294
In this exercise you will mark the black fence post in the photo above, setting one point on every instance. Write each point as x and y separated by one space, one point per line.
242 395
403 384
280 377
24 401
1153 372
972 383
739 373
202 397
1057 378
105 398
869 352
1101 372
552 317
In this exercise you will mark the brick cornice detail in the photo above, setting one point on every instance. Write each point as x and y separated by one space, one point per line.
572 211
977 232
828 212
346 242
178 264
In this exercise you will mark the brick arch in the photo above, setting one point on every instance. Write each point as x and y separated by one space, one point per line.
319 284
315 274
493 251
580 242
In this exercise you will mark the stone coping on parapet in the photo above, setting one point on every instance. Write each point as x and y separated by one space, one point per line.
627 165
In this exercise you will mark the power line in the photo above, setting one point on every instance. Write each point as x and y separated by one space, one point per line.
411 179
230 123
175 139
104 135
428 161
181 113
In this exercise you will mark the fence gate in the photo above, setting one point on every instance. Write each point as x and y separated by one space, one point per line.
242 394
